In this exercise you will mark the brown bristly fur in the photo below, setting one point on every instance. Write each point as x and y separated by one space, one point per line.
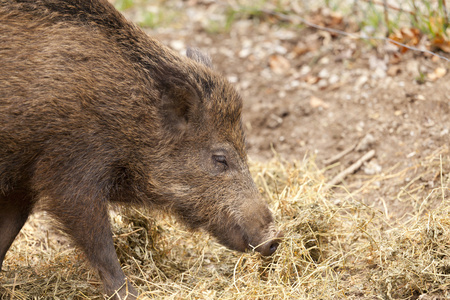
93 111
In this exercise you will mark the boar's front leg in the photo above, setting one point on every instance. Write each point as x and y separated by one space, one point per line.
86 220
14 210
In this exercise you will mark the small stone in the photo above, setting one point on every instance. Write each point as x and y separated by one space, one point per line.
367 141
177 45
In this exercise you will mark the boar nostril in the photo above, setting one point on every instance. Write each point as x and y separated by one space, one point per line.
273 247
269 248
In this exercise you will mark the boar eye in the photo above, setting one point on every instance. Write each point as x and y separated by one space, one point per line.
222 160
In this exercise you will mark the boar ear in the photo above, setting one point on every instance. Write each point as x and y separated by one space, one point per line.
180 101
198 56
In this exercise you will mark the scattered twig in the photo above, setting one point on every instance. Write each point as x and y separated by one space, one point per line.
338 156
339 177
362 145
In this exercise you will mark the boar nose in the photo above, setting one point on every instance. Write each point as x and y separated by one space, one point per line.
269 247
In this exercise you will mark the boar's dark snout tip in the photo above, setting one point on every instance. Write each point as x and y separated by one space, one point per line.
271 246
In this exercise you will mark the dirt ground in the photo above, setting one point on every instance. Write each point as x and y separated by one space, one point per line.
307 92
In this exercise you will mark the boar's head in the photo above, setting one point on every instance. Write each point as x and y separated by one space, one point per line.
204 176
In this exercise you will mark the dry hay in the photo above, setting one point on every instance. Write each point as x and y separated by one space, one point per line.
336 247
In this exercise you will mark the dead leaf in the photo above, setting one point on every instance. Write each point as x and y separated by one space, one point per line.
311 79
441 43
395 58
437 73
325 36
316 102
435 58
411 33
393 70
301 48
336 18
407 36
327 18
279 64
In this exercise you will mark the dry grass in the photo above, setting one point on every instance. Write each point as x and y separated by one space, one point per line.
336 247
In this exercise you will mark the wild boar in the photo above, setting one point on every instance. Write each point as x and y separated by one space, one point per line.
93 111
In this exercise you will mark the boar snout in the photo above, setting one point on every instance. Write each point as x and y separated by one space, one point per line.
256 231
271 245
